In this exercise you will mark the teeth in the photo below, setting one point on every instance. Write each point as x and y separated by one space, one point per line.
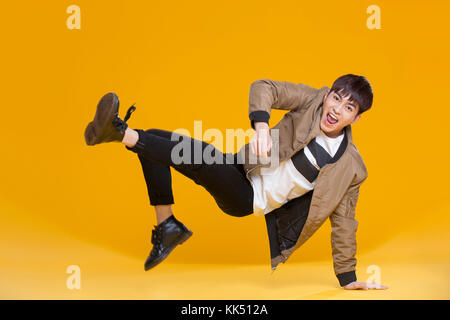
333 116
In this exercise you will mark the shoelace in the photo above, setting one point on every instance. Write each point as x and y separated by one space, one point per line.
120 124
156 236
129 112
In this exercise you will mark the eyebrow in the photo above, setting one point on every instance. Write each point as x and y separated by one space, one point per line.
350 103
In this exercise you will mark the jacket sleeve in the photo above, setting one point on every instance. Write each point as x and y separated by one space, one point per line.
268 94
343 236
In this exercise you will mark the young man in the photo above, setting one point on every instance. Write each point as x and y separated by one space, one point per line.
318 176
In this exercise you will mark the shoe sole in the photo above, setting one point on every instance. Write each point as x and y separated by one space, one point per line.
180 240
106 108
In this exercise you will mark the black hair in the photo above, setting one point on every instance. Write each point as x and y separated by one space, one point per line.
357 87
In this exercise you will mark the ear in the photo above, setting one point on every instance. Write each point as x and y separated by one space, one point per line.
356 118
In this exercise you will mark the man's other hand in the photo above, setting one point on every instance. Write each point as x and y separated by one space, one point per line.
356 285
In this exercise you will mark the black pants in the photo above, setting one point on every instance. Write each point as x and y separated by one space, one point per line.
226 182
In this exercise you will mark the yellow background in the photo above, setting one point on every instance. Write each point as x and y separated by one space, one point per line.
64 203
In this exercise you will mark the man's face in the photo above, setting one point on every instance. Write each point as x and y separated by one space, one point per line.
338 112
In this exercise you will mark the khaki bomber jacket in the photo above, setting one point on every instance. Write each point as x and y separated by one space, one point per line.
337 186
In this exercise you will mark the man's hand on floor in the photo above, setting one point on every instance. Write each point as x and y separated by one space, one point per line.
356 285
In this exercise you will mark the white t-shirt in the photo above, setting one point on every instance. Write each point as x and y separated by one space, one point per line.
276 186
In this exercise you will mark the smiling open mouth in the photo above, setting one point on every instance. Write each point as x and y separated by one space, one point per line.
331 119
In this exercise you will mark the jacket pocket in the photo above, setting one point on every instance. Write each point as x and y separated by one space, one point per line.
351 201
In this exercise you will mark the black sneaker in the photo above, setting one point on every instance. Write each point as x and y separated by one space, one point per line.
165 237
107 126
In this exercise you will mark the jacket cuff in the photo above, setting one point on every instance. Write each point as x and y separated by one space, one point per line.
258 116
346 278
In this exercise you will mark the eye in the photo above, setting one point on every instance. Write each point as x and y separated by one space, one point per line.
349 108
336 98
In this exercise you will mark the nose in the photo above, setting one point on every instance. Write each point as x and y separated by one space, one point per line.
338 108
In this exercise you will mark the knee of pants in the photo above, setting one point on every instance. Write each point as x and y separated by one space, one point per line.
234 212
239 214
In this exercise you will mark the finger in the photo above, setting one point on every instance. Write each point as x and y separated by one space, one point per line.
263 148
358 285
265 143
373 285
378 286
264 154
258 147
252 147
